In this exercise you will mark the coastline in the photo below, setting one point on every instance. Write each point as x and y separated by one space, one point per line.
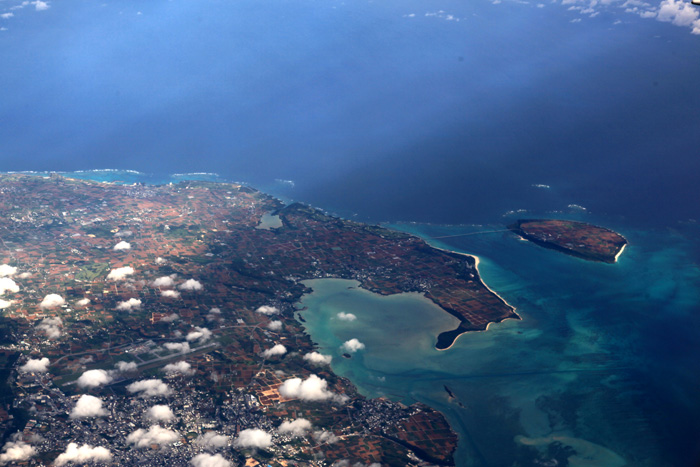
619 253
481 281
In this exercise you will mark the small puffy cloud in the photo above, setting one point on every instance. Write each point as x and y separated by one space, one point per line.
200 334
94 378
253 438
16 450
40 5
51 327
8 285
677 12
214 314
278 349
352 346
170 318
155 435
318 359
161 261
212 439
346 316
160 413
165 281
6 304
52 300
129 305
170 294
149 388
83 454
7 270
120 274
126 366
267 310
181 347
35 366
312 388
83 302
209 460
298 427
7 16
88 406
178 368
325 437
274 325
190 284
122 246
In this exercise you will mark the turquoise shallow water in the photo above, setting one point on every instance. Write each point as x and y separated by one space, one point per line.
602 370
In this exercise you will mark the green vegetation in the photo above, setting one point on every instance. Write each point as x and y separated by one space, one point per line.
90 272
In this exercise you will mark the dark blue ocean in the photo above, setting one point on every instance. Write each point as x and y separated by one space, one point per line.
442 118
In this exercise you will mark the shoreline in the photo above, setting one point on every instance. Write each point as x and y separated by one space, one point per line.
619 253
481 281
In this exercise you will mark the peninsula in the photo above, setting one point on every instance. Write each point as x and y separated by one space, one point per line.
184 295
578 239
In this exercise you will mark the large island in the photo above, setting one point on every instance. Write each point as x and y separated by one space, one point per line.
172 307
578 239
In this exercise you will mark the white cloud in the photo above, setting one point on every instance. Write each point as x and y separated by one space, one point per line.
52 300
190 284
209 460
212 439
35 366
178 368
170 318
88 406
16 450
129 305
155 435
274 325
165 281
160 260
253 438
352 346
94 378
120 273
83 302
278 349
149 388
181 347
8 285
51 326
40 5
160 413
346 316
318 359
298 427
126 366
170 294
312 388
214 314
122 246
323 437
201 334
6 16
267 310
6 304
677 12
83 454
6 269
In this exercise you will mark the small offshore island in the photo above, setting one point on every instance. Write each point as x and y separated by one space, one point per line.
578 239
